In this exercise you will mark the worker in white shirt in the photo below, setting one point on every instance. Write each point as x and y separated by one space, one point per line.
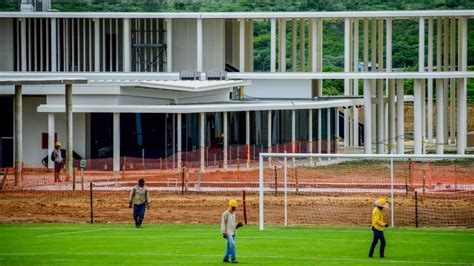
229 230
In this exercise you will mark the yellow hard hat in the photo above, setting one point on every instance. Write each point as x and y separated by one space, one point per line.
233 203
57 143
381 202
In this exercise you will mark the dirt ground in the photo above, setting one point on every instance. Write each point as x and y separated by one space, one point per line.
206 208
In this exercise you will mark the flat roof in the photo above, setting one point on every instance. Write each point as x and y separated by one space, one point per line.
41 80
245 15
198 108
193 85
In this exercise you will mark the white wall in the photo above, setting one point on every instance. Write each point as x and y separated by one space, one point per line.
34 124
6 44
184 44
213 44
279 89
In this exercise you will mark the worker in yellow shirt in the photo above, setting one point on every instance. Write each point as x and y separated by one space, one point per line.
377 226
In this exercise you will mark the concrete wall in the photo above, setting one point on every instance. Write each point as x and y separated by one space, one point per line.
184 44
279 89
213 44
34 124
6 45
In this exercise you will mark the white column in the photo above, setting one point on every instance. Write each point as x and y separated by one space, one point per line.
356 81
173 139
462 116
224 121
347 61
367 116
429 116
380 118
314 45
418 117
126 45
273 45
247 137
54 42
446 81
439 116
293 44
96 45
328 130
199 44
169 45
69 132
23 44
400 117
18 133
269 124
319 131
302 45
202 137
242 45
282 51
179 136
116 142
452 85
51 133
310 131
293 131
391 90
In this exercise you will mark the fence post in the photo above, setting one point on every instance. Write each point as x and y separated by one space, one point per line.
286 190
296 179
92 208
182 180
244 206
416 209
74 178
391 194
82 178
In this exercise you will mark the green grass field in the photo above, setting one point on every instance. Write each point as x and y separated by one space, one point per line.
106 244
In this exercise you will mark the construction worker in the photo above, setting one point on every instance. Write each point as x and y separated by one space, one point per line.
58 159
229 230
139 198
377 227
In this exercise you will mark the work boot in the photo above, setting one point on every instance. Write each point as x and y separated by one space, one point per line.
225 260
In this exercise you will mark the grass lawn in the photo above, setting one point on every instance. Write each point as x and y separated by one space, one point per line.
119 244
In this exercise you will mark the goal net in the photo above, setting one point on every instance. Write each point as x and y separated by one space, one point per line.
340 189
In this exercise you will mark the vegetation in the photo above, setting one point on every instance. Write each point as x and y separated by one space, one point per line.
405 37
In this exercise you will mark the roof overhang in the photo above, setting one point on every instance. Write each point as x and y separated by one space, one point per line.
198 108
41 80
193 85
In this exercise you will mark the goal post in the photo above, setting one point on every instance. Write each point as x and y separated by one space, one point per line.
312 189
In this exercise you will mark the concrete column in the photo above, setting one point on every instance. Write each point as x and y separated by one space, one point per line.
242 45
310 131
269 121
18 133
179 136
23 44
373 62
452 82
199 44
273 45
293 131
169 45
391 116
380 119
247 137
51 134
224 118
202 138
69 132
282 50
367 116
249 44
439 116
294 45
54 43
96 45
302 45
418 117
328 130
429 116
173 139
347 61
400 117
446 81
314 45
356 81
126 47
116 142
462 116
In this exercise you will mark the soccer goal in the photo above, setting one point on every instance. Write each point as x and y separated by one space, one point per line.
340 189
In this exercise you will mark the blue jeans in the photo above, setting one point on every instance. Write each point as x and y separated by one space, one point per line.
138 213
377 235
230 250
